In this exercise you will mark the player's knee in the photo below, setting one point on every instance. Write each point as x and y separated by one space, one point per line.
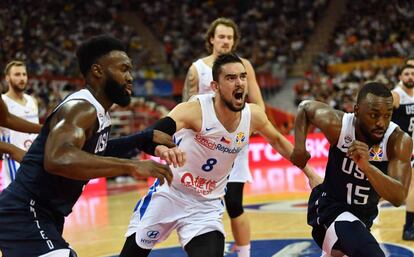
234 207
210 244
234 199
356 241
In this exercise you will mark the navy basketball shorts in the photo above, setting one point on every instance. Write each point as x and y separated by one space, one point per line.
28 229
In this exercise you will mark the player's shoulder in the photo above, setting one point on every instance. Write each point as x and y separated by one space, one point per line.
258 115
400 141
186 107
400 135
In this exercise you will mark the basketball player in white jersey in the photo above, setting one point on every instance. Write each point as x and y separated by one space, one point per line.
223 37
211 129
21 105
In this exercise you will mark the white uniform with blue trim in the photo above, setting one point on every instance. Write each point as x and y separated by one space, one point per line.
29 112
192 204
240 171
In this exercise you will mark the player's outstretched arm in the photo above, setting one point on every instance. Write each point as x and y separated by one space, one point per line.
15 152
261 124
70 127
13 122
190 84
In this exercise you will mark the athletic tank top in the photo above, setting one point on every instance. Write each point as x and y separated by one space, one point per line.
210 153
344 182
58 193
404 114
29 112
205 76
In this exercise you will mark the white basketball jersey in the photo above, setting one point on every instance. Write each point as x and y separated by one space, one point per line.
28 112
210 153
205 76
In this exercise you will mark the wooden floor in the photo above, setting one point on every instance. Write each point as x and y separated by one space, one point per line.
97 226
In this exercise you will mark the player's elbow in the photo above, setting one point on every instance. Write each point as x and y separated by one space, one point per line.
57 165
399 199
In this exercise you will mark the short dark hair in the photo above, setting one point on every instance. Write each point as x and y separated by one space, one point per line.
95 47
375 88
212 29
222 60
406 66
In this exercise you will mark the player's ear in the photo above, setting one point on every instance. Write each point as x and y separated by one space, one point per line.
96 70
356 110
214 85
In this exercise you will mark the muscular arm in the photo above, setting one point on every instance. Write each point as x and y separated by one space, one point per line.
261 124
14 152
321 115
187 115
190 84
69 129
13 122
394 186
255 95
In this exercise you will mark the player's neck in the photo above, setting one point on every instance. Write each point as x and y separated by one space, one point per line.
209 60
16 96
409 91
228 118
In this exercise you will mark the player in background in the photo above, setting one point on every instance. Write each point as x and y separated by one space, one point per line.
22 105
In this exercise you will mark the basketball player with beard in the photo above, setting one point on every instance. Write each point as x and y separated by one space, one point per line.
23 106
213 129
69 151
222 37
403 115
369 159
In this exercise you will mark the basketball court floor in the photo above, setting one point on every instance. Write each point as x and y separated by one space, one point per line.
276 209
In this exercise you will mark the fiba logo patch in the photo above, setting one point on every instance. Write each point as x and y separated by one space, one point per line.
376 153
240 138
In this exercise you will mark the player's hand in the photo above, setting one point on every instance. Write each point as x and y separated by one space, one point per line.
149 168
299 157
172 156
359 152
162 138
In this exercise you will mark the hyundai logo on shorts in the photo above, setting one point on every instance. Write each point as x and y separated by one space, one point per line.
153 234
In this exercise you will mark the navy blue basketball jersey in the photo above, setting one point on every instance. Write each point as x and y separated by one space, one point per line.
345 184
404 114
57 193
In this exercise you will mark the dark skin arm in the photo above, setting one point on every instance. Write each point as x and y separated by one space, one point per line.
394 186
70 127
14 152
13 122
328 120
